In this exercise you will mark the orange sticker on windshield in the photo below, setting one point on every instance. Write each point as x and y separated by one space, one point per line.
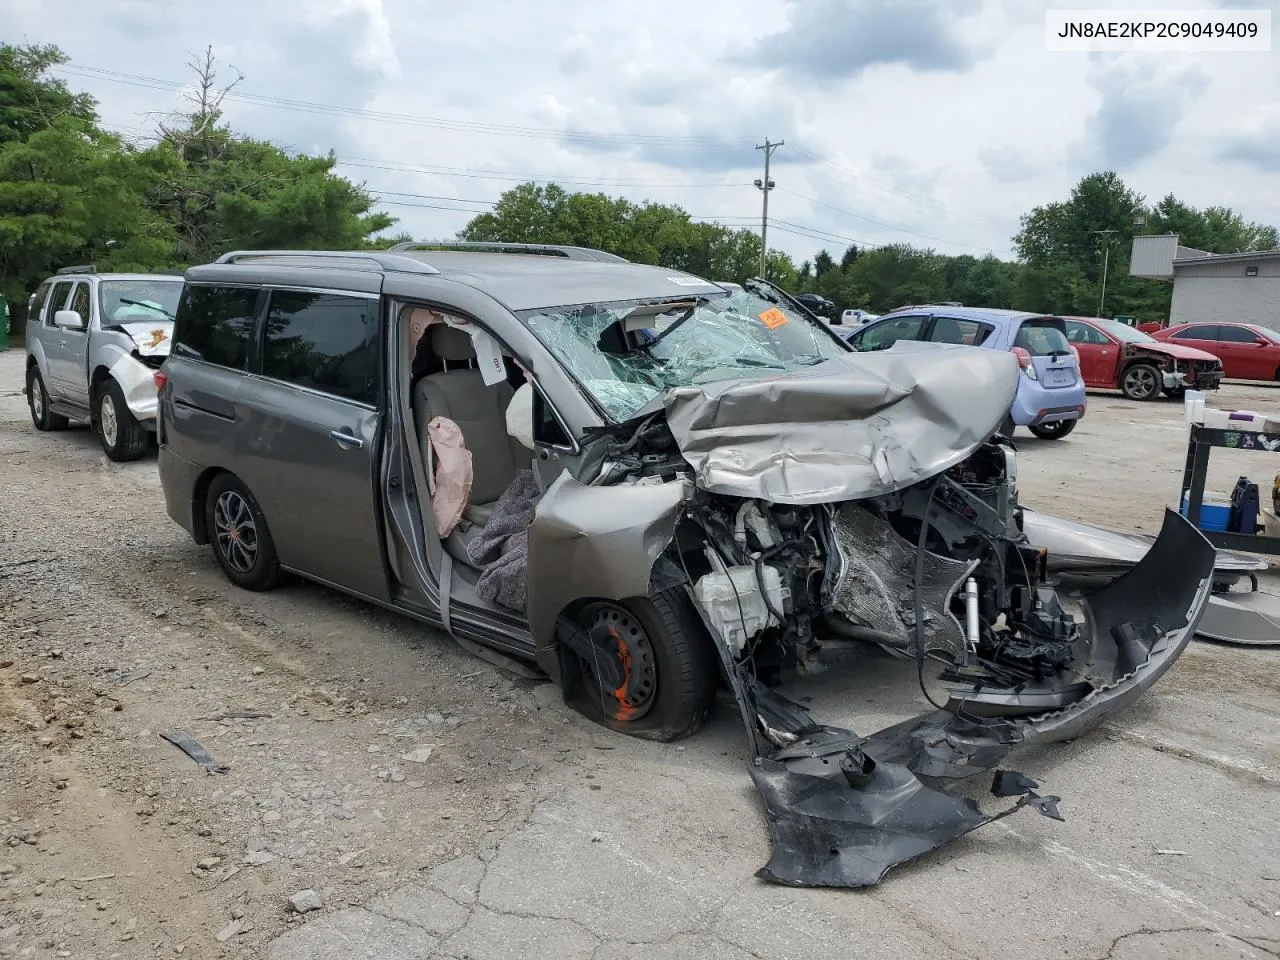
773 318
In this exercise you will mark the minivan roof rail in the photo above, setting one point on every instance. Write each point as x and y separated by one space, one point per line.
545 249
85 268
383 260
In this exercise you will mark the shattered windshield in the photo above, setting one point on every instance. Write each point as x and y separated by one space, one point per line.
627 353
139 301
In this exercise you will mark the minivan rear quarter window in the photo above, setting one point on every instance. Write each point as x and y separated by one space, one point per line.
1041 338
323 341
215 324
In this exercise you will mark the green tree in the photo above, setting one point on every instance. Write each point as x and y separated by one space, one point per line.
1215 229
31 101
643 233
69 192
221 192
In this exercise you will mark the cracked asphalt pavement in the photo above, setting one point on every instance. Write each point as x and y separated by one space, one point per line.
439 808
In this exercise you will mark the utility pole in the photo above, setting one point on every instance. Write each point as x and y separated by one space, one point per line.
765 186
1106 260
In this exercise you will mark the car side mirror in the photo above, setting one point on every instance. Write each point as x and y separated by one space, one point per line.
68 319
1259 341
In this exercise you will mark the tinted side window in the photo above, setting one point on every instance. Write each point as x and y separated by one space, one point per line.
38 301
1236 334
951 330
883 335
57 300
323 341
80 303
215 324
1200 331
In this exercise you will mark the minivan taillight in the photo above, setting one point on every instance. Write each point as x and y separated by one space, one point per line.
160 378
1024 361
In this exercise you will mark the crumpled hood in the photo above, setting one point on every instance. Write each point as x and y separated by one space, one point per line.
152 337
857 426
1177 350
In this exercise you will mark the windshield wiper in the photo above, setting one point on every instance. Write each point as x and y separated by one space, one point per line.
146 306
675 324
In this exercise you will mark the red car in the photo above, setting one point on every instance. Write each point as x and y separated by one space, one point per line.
1247 351
1115 356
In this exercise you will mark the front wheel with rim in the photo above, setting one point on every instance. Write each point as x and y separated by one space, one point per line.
239 536
1053 431
669 667
123 437
1141 381
38 401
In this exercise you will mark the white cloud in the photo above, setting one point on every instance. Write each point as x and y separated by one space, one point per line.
939 123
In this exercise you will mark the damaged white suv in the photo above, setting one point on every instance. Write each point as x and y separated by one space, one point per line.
94 342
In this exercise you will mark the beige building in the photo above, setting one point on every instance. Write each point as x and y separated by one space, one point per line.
1227 287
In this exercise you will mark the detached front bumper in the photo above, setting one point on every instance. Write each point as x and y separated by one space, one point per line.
843 809
1199 379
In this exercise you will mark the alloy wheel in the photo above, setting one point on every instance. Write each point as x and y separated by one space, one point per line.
235 531
108 422
1140 383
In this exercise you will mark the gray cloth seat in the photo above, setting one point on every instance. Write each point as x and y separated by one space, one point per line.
480 411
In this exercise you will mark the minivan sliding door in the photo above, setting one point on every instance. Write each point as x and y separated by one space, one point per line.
309 447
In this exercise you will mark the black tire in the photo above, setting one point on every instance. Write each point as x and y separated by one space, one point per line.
38 403
123 438
1007 426
1053 431
238 534
683 669
1141 381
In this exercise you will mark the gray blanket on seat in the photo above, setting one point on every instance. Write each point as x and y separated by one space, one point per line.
501 548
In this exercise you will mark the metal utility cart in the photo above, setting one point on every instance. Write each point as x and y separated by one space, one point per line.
1202 440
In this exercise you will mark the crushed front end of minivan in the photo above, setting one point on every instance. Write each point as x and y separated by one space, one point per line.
865 498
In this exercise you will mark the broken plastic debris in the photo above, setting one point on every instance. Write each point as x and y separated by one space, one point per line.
1010 783
191 747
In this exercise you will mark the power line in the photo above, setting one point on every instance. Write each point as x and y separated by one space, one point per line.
155 83
883 223
472 126
525 177
892 190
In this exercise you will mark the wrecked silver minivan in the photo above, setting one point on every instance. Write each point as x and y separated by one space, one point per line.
647 486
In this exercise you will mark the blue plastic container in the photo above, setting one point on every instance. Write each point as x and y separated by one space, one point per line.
1215 511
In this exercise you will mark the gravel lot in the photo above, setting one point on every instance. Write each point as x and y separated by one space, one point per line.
437 807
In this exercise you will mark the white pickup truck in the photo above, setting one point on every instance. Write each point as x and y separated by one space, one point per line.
94 342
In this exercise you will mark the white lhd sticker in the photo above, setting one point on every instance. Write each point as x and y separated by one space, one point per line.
488 357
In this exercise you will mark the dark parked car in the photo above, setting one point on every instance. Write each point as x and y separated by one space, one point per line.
646 485
818 305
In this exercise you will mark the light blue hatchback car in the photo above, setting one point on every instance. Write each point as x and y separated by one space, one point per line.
1050 396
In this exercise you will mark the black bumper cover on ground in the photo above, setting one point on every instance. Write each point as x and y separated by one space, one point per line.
843 809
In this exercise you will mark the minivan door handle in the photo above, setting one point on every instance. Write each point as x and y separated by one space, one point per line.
346 439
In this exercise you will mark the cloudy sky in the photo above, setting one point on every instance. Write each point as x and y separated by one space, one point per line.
934 122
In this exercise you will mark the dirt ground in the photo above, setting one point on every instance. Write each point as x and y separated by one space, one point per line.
438 807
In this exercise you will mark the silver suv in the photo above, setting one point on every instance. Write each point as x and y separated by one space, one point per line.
94 342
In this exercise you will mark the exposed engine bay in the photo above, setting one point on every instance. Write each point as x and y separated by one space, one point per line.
777 580
937 569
